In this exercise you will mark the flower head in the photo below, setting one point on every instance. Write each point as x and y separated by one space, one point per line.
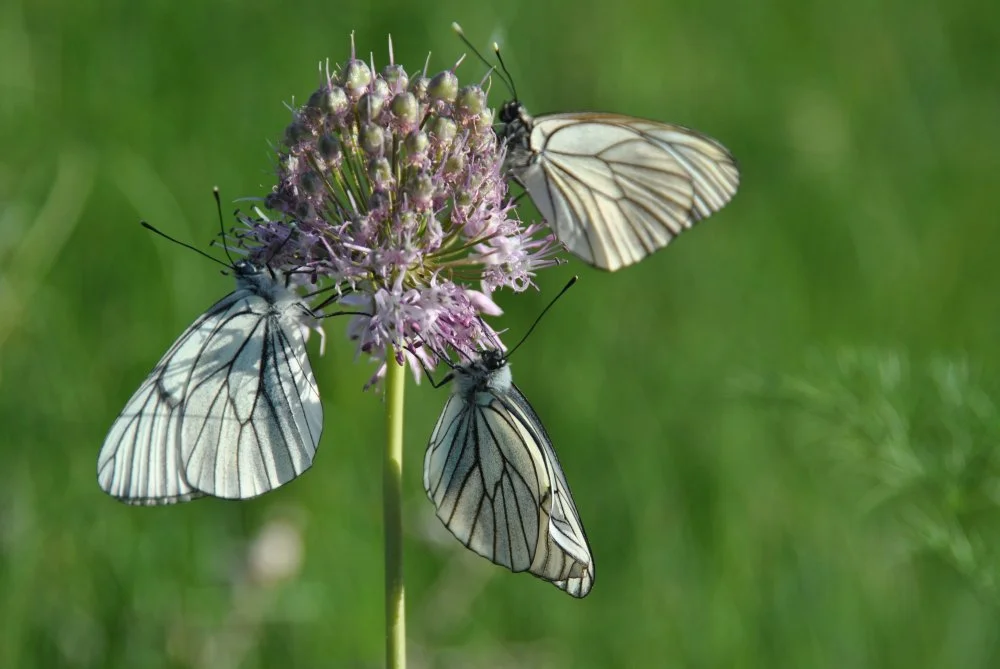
390 187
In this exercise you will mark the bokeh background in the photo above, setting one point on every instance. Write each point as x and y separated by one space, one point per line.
780 431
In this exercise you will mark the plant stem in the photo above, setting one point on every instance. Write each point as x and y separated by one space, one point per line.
392 513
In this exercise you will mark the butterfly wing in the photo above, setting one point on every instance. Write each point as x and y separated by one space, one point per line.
171 443
615 188
252 417
140 461
498 487
566 553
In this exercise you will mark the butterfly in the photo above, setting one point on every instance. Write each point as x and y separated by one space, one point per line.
231 410
495 480
614 188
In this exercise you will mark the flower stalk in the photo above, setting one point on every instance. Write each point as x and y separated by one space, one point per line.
392 511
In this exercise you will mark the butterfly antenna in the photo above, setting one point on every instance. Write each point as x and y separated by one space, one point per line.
507 79
533 325
490 334
222 226
292 229
440 356
461 35
184 244
332 299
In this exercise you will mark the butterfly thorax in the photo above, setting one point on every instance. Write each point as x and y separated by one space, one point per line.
516 133
489 375
264 282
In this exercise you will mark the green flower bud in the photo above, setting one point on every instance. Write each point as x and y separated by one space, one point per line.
442 129
372 139
443 86
420 186
418 86
471 100
406 108
370 106
395 76
296 132
311 182
416 143
356 75
380 173
329 147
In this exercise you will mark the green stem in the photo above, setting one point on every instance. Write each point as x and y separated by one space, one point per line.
392 512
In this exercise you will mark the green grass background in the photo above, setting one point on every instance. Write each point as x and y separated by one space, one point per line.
754 496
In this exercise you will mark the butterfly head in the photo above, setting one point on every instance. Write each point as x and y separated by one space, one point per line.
491 360
488 372
244 269
516 120
512 111
516 132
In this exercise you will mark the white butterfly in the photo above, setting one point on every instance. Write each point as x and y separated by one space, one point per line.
614 188
494 477
231 410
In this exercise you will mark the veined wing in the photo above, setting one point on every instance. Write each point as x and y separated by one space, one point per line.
615 188
252 416
160 448
498 487
567 538
140 461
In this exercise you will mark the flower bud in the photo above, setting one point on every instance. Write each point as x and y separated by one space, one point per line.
355 76
378 203
483 121
443 86
297 131
416 144
408 222
418 86
329 148
420 188
304 211
395 76
382 88
406 109
442 129
372 139
454 164
310 182
370 106
470 101
380 173
336 101
328 100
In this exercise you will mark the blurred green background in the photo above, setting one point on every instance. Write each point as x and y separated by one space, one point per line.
779 431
